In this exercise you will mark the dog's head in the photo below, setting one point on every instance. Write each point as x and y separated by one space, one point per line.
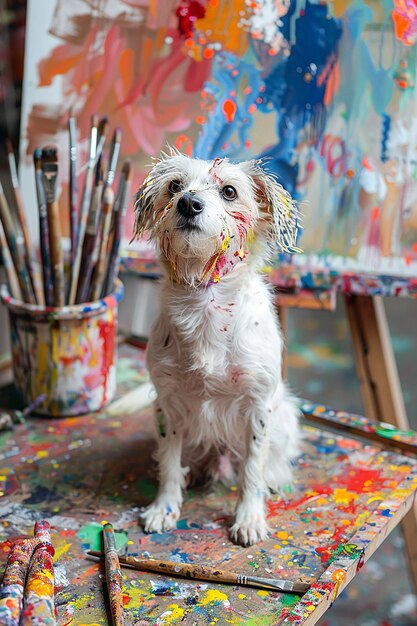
208 216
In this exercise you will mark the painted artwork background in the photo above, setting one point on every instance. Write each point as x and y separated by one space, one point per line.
325 90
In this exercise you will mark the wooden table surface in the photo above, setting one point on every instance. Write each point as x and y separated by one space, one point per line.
346 498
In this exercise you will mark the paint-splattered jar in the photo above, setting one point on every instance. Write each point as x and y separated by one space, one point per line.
68 354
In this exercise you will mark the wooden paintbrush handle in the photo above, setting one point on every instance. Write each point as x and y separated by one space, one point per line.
16 255
187 570
57 257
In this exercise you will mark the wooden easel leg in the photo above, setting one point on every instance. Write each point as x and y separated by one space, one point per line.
380 385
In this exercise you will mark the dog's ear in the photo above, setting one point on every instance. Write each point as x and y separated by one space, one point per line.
277 209
148 191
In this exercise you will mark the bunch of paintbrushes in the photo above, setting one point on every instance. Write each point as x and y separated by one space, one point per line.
27 590
95 222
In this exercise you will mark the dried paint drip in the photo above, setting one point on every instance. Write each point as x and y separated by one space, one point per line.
12 590
39 606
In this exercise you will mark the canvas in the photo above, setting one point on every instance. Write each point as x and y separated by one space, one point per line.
324 90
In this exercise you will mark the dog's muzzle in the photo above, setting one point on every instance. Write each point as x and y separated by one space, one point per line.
189 206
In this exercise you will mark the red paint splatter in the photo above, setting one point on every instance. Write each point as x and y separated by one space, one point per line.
361 480
107 333
274 507
188 13
229 109
337 538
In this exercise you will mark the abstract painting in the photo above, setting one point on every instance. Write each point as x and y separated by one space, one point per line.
323 90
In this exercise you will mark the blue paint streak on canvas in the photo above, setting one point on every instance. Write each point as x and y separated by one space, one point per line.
297 101
216 138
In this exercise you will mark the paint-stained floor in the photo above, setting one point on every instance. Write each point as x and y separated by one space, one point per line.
321 368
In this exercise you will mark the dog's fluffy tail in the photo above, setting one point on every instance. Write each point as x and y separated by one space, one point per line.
284 443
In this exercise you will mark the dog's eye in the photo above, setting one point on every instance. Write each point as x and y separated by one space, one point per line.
175 186
229 193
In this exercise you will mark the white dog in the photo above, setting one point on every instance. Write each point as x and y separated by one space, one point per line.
214 353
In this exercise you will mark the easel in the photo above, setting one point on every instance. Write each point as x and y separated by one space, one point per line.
378 376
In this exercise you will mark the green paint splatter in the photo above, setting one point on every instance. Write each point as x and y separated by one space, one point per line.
91 537
289 599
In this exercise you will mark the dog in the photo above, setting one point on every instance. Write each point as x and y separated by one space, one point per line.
214 353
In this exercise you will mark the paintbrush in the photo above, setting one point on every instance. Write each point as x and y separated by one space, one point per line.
49 164
15 252
113 575
13 584
114 156
43 230
38 601
85 205
11 276
119 212
10 419
73 185
205 572
99 274
34 276
90 238
101 136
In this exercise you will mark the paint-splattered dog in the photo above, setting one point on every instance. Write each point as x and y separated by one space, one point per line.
214 353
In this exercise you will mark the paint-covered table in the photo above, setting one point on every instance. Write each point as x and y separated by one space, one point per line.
346 498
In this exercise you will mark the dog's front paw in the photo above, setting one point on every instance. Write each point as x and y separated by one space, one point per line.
246 534
250 525
160 517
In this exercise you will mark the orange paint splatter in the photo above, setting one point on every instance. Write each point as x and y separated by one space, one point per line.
252 108
375 213
350 173
229 109
208 53
184 144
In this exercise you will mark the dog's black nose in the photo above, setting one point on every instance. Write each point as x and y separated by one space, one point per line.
188 206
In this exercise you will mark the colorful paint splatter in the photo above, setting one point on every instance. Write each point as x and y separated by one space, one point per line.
66 356
80 472
325 90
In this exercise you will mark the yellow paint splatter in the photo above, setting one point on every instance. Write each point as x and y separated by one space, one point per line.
60 550
263 594
241 596
282 534
173 613
213 595
343 496
42 454
374 499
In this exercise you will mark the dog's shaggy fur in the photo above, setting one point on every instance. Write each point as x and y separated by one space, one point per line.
214 353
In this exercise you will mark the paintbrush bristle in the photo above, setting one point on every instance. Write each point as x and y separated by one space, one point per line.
103 125
117 136
49 154
127 169
49 163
